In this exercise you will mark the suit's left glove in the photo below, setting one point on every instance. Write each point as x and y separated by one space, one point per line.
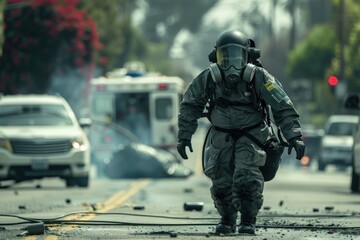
298 145
181 147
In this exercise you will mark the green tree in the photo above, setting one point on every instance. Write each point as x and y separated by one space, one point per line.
352 71
312 57
121 41
351 29
323 46
310 60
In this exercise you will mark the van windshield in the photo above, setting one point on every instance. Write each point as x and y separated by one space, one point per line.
342 129
132 112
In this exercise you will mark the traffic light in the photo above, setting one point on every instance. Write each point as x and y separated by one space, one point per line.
333 81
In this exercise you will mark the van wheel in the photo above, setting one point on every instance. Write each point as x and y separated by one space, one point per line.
355 182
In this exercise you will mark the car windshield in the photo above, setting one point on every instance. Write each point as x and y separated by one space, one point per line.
342 129
34 115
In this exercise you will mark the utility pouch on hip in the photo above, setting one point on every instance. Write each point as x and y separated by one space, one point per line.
274 149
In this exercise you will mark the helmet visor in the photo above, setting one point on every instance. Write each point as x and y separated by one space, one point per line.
231 55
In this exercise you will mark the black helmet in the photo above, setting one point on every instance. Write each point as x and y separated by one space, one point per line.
232 37
232 50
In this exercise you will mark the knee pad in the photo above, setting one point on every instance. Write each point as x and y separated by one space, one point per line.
221 194
223 201
249 187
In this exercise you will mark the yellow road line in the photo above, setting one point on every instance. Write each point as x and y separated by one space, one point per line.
31 238
113 202
132 191
51 237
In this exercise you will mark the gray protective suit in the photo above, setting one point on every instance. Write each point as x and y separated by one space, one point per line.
233 163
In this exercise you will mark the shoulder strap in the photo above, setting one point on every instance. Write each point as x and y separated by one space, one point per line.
249 72
210 92
248 76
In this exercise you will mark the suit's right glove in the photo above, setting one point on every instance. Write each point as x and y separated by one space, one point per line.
298 145
181 147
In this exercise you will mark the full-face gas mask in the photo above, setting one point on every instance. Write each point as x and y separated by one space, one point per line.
231 59
230 56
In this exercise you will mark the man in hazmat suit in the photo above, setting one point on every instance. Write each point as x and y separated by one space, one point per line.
233 158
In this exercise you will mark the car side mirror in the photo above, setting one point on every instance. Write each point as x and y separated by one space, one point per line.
85 122
352 101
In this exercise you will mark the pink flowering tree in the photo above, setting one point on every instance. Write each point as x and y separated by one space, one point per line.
44 38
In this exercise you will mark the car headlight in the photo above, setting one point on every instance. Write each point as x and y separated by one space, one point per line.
78 144
5 144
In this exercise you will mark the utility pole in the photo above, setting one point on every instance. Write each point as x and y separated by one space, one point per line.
273 18
342 40
293 24
341 89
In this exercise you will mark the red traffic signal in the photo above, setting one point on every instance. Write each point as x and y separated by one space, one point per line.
333 80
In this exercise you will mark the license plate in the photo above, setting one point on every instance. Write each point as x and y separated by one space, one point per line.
39 164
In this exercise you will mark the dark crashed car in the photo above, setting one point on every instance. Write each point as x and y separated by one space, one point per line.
137 160
132 159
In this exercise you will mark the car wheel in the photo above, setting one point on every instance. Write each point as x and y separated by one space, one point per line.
355 182
82 181
321 166
79 181
70 182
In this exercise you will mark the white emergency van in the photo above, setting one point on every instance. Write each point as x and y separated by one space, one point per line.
145 105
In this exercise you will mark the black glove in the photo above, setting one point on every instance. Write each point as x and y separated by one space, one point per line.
181 147
298 145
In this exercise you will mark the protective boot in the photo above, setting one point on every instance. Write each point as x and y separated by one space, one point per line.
248 200
226 225
223 203
247 225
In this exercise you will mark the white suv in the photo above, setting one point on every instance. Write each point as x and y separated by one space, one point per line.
337 143
40 136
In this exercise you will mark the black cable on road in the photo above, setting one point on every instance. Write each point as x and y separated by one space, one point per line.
57 220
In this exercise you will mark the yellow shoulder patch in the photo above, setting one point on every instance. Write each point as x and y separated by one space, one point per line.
269 86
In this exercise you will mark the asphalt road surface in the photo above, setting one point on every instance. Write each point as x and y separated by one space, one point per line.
298 204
